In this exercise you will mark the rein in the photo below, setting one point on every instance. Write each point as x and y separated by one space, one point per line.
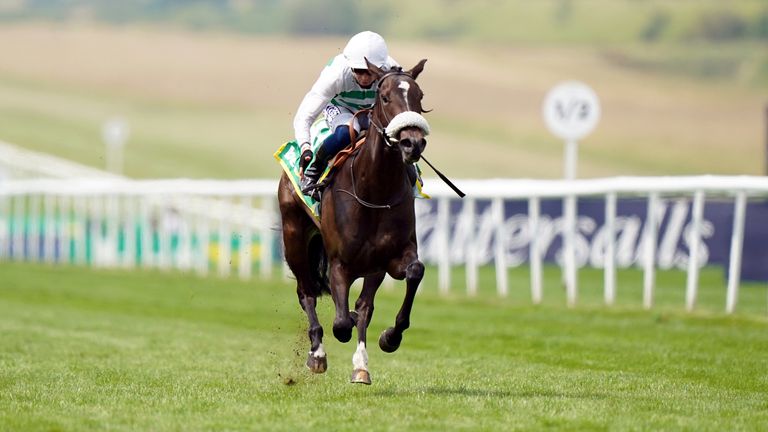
363 202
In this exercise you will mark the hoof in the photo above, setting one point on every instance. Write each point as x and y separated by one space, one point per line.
317 365
343 333
389 341
360 376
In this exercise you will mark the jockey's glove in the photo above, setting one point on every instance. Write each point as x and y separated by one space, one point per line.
305 158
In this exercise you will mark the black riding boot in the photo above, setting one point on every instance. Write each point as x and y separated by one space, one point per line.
313 172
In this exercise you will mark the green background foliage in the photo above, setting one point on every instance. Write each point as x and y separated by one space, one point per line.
556 21
682 84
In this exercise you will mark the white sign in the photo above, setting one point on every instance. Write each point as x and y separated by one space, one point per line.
115 133
571 110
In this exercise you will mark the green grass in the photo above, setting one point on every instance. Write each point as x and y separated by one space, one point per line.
112 350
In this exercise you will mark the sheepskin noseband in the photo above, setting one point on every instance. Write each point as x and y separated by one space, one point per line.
406 119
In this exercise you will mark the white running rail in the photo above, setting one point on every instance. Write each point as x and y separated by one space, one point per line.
737 188
232 226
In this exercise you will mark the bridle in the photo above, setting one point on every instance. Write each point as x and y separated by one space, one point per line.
388 141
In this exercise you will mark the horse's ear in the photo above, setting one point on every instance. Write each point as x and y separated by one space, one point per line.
417 69
375 70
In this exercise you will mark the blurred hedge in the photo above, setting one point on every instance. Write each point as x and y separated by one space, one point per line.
543 21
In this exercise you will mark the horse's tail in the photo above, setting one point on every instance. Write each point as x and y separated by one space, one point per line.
318 264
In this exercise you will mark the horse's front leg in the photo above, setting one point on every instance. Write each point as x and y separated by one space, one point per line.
340 281
413 270
364 312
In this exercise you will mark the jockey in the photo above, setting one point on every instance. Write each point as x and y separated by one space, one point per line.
344 87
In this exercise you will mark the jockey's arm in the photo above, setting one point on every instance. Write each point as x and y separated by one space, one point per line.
324 89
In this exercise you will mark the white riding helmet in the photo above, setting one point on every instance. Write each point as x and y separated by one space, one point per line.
364 45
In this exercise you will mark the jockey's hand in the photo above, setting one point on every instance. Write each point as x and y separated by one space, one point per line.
305 158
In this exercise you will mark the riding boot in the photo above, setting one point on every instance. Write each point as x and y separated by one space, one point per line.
339 139
313 172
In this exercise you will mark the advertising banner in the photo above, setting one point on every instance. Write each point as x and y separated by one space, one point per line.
674 233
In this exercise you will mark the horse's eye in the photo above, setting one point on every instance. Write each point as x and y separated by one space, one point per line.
385 99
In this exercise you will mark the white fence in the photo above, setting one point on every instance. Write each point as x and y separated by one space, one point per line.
737 188
232 226
17 162
181 224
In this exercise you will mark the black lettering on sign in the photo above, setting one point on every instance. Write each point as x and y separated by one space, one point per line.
584 111
573 109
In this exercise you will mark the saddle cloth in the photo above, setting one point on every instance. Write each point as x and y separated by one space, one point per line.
288 157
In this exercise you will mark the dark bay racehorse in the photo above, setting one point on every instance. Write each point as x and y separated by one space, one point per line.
367 227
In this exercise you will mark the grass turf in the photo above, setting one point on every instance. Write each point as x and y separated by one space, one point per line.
112 350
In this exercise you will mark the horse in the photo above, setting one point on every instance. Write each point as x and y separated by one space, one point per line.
367 224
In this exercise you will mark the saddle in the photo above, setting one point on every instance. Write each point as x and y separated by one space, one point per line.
356 141
288 156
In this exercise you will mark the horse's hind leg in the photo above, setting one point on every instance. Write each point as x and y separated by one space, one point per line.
297 230
390 339
316 360
364 312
